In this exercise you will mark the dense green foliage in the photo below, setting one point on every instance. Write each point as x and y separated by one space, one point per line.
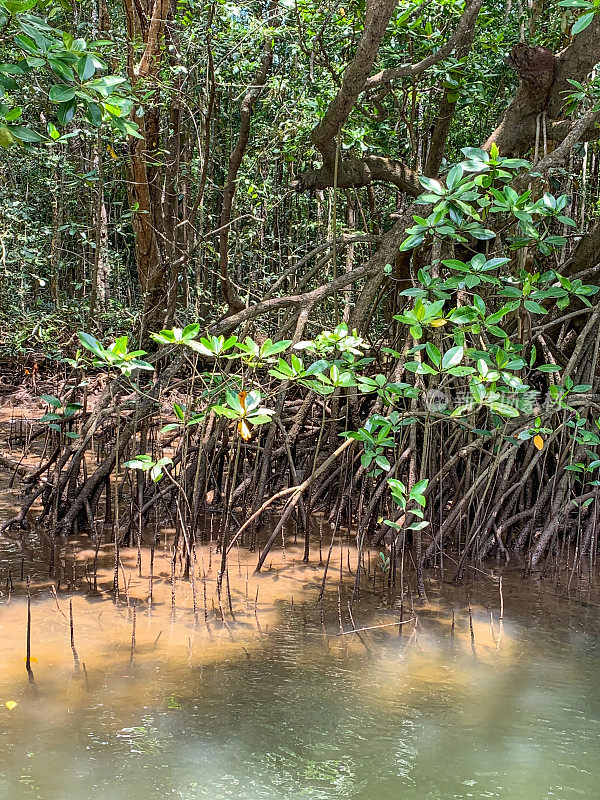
51 179
382 216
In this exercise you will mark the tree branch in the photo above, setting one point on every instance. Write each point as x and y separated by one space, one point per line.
467 21
359 172
379 13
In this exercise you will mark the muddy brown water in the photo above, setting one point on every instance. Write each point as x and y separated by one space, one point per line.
273 704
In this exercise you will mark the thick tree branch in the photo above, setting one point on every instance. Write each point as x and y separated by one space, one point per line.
576 134
557 130
359 172
324 135
461 31
153 36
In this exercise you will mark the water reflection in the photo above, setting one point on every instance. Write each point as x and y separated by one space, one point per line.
271 705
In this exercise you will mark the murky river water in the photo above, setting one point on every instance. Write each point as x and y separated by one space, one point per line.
272 705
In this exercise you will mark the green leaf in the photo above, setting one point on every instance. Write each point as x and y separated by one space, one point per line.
418 526
452 357
454 176
112 109
549 368
534 307
94 114
25 134
575 4
90 343
27 44
172 426
197 347
582 23
411 242
419 368
434 354
382 462
156 472
272 348
431 185
504 410
419 487
190 331
61 69
18 6
136 363
86 68
260 419
78 45
61 93
51 400
224 411
234 402
143 462
315 368
66 111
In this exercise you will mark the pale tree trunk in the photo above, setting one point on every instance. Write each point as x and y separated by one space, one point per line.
101 273
101 268
56 243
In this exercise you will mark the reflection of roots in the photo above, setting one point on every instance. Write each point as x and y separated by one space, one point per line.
79 640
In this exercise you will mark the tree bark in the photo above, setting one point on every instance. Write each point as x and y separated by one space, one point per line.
543 81
234 304
147 20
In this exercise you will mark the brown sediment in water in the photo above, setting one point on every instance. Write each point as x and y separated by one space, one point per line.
128 644
106 681
102 620
170 636
103 624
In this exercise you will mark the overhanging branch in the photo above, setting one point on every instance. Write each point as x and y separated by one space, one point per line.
467 20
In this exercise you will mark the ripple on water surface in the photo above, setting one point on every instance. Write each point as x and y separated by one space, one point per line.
273 705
